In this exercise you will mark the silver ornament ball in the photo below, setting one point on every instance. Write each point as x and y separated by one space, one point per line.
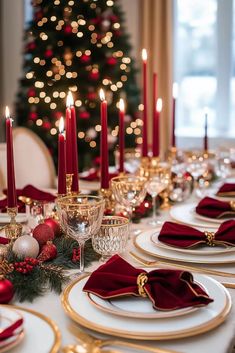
26 246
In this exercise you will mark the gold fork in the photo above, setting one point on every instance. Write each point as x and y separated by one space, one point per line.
92 344
203 270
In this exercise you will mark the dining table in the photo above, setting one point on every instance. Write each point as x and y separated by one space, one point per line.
218 340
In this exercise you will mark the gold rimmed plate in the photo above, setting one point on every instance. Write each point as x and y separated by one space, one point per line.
8 316
199 250
79 308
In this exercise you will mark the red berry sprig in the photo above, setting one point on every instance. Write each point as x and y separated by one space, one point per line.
76 255
26 266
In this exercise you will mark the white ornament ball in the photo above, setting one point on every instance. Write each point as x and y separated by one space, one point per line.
91 133
26 246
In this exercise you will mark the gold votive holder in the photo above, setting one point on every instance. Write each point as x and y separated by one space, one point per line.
13 230
108 198
69 181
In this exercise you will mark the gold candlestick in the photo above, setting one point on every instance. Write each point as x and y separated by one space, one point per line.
69 181
13 230
109 199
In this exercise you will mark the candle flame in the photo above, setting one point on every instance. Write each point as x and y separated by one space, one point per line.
61 125
69 100
159 105
175 90
144 55
121 105
7 112
102 95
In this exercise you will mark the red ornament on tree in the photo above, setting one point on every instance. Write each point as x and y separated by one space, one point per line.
54 225
84 115
6 291
46 125
48 53
85 58
91 96
94 75
33 115
31 92
67 29
111 61
42 233
30 46
49 252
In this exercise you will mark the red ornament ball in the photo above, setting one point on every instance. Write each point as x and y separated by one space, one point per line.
49 252
33 115
111 61
48 53
54 225
6 291
42 233
85 58
94 75
31 46
46 125
84 115
67 29
91 96
31 92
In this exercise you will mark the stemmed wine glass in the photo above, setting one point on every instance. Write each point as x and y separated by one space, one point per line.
156 184
196 166
129 191
80 216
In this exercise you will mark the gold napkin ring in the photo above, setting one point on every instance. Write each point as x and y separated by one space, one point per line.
232 205
210 238
141 280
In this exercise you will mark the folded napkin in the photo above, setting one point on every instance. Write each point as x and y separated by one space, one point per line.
28 191
3 241
167 289
182 236
10 330
213 208
227 189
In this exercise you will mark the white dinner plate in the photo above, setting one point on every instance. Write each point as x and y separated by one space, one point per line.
20 218
197 250
135 307
143 243
77 305
185 214
41 333
7 317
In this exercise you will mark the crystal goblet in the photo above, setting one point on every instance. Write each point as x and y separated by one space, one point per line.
112 237
129 191
80 216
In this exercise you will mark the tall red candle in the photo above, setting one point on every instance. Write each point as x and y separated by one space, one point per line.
154 136
156 128
75 186
174 94
206 130
11 188
104 156
69 155
145 112
61 160
121 135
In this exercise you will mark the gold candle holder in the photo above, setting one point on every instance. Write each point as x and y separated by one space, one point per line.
13 230
69 181
108 198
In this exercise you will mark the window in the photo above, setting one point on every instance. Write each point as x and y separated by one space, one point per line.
204 66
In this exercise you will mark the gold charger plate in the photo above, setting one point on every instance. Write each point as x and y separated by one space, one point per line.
78 308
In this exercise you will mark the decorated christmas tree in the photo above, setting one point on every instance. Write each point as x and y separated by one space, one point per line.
81 46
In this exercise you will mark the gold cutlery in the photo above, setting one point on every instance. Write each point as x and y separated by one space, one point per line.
160 263
92 344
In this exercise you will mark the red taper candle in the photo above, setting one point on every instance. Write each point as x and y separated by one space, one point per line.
121 135
75 186
206 130
156 128
11 188
174 95
61 159
155 94
104 154
145 111
69 155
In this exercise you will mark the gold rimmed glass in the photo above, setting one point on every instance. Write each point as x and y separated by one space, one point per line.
112 237
129 191
80 217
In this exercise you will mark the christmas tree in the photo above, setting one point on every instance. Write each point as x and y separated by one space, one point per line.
81 46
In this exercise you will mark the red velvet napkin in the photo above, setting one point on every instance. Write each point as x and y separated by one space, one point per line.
10 330
227 189
182 236
213 208
3 241
167 289
28 191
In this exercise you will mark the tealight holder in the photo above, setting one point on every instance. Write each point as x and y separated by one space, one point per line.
69 181
13 230
108 198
